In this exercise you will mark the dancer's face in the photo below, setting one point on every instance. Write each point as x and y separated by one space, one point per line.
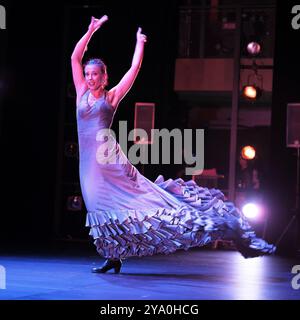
94 78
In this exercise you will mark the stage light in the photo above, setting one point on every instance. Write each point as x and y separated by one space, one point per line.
253 48
251 210
74 203
251 92
71 149
248 153
253 89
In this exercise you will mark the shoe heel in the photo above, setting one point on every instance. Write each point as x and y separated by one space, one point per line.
108 265
117 269
118 266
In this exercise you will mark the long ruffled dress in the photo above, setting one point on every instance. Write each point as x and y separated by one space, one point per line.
129 215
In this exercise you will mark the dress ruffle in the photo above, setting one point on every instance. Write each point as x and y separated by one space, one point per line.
202 216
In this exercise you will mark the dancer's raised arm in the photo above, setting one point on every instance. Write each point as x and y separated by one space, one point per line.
118 92
79 50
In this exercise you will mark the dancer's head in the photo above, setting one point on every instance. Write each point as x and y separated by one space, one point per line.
95 74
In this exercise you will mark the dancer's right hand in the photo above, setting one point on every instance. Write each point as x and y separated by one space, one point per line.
95 24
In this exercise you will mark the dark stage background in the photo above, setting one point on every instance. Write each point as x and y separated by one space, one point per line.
35 81
36 77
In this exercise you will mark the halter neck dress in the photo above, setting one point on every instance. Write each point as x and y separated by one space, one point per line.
129 215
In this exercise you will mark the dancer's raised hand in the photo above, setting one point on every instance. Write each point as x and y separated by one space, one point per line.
95 24
140 37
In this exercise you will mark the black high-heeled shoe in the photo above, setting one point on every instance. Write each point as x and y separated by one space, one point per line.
108 265
259 247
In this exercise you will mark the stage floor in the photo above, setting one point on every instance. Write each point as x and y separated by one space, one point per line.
198 274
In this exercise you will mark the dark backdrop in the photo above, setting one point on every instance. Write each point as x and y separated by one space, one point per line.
34 53
35 66
286 86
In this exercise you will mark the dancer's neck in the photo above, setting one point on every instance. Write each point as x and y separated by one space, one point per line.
97 93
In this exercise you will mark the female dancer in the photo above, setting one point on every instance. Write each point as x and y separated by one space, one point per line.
128 214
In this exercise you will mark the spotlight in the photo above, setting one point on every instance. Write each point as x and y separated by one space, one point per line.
251 92
254 87
248 153
251 210
253 48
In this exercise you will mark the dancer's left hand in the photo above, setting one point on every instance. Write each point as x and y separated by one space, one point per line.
140 37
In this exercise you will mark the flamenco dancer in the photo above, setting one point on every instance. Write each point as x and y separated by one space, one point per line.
128 214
